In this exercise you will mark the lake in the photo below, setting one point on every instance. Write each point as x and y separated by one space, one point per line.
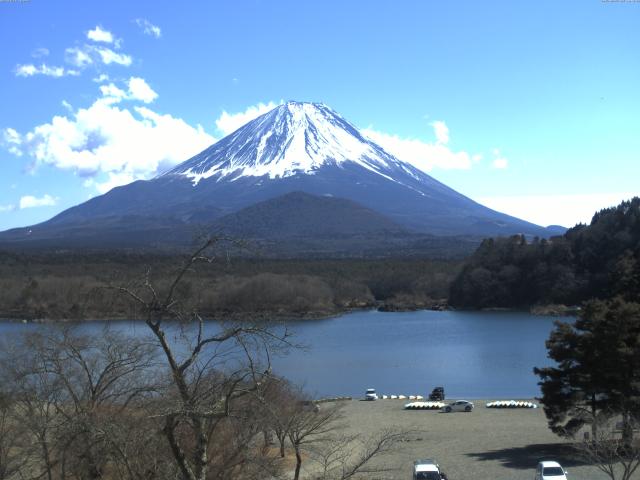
471 354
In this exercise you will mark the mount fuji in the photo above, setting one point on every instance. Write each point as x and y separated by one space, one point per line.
272 178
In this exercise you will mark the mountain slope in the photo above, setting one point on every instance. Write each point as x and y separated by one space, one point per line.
296 147
299 214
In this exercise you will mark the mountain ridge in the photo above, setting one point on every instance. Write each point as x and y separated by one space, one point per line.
296 147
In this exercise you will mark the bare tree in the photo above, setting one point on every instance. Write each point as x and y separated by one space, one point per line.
210 371
73 393
314 432
309 427
610 449
280 402
350 456
13 442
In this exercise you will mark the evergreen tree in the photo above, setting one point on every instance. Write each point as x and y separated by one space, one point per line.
598 368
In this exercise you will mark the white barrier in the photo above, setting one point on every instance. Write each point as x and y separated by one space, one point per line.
424 406
400 397
511 404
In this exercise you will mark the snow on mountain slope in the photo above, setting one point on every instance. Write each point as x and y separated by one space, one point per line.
292 138
296 147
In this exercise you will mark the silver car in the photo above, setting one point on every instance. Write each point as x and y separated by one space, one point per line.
458 406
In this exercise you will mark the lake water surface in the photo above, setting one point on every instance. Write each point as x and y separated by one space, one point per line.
471 354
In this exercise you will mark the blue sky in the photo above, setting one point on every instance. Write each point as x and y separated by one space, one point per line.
532 108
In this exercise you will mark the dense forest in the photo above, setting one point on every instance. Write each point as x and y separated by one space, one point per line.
599 260
79 285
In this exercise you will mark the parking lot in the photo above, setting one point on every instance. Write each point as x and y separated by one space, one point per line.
484 444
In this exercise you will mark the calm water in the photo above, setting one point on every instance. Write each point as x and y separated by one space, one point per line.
472 354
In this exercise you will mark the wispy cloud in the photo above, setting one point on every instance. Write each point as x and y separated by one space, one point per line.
149 28
29 201
11 140
7 208
230 122
40 52
499 162
441 131
101 52
137 89
78 57
103 77
100 35
81 57
423 155
30 70
108 56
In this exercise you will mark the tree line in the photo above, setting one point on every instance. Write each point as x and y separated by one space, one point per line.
600 260
72 285
591 392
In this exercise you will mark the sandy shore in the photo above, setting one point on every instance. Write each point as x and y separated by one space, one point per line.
484 444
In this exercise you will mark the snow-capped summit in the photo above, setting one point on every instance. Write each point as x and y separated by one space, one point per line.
246 183
295 137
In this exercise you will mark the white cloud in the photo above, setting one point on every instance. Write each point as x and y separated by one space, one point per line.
29 70
108 144
7 208
565 210
103 77
100 35
441 131
29 201
500 163
11 141
78 57
112 94
40 52
140 90
149 28
67 105
81 57
423 155
230 122
108 56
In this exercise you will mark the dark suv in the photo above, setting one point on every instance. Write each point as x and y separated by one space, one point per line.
437 394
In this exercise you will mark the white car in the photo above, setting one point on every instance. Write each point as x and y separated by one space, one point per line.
458 406
371 394
427 469
549 470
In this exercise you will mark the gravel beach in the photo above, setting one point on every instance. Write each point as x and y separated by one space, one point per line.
485 443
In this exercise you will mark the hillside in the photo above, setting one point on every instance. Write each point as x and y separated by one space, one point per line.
296 147
589 261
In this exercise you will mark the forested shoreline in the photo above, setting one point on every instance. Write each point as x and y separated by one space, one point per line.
76 286
544 276
600 260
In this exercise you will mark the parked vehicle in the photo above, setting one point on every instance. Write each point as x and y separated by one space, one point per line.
371 394
458 406
550 470
437 394
427 469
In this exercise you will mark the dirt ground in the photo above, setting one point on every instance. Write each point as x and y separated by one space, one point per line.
484 444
